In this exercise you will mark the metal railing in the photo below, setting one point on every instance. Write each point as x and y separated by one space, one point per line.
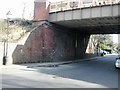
74 4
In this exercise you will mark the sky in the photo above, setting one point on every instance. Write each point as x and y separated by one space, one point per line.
16 9
115 38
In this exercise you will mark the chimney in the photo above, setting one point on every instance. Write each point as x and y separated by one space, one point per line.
41 11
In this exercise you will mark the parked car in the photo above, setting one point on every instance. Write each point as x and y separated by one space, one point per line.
117 63
103 52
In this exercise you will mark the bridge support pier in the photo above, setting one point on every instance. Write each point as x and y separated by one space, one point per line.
81 44
50 42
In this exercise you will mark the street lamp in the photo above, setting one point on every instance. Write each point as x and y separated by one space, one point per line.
5 56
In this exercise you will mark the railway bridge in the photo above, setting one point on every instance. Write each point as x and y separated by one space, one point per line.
64 28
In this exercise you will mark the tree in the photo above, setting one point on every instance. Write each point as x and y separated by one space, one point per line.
3 29
118 48
102 41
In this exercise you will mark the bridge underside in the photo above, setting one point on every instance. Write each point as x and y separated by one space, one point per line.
106 25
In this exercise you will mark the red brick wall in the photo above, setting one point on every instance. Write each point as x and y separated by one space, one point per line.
40 11
46 43
51 43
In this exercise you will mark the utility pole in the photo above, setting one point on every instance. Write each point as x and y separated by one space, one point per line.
5 55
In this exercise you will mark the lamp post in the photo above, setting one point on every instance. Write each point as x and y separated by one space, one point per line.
5 56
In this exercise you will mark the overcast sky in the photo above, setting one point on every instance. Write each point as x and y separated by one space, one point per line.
16 7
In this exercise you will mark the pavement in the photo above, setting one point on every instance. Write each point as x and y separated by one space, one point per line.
46 64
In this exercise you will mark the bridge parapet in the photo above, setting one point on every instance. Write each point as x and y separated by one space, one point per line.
107 11
75 4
